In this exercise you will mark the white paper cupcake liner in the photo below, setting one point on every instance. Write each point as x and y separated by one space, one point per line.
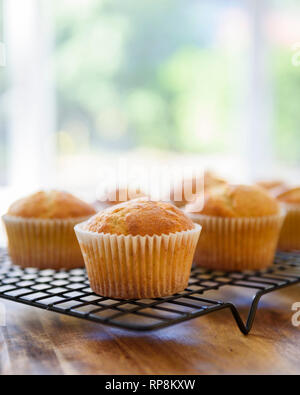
43 243
289 239
136 267
237 244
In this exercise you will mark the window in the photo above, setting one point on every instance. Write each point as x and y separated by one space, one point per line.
88 82
284 71
3 108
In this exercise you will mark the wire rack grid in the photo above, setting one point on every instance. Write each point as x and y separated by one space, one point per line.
68 292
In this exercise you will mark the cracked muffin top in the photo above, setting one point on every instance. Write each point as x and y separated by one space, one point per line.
291 196
140 217
51 205
236 201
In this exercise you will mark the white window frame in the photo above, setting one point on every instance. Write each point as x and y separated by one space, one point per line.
258 107
31 94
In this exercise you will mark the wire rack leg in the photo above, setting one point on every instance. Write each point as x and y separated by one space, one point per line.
243 328
246 328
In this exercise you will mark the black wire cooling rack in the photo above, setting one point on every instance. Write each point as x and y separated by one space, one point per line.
68 292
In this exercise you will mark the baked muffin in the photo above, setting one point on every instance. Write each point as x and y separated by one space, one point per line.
40 230
289 238
117 196
241 225
186 190
138 249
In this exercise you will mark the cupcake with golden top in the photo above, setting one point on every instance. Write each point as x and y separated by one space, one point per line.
138 249
40 230
289 239
241 226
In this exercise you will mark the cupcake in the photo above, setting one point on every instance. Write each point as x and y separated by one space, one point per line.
241 226
289 239
40 230
138 249
187 189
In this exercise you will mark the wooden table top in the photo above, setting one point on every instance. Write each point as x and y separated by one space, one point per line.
35 341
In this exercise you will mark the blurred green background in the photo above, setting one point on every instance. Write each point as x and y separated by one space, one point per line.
158 74
135 73
167 75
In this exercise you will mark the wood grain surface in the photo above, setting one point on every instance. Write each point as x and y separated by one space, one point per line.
40 342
